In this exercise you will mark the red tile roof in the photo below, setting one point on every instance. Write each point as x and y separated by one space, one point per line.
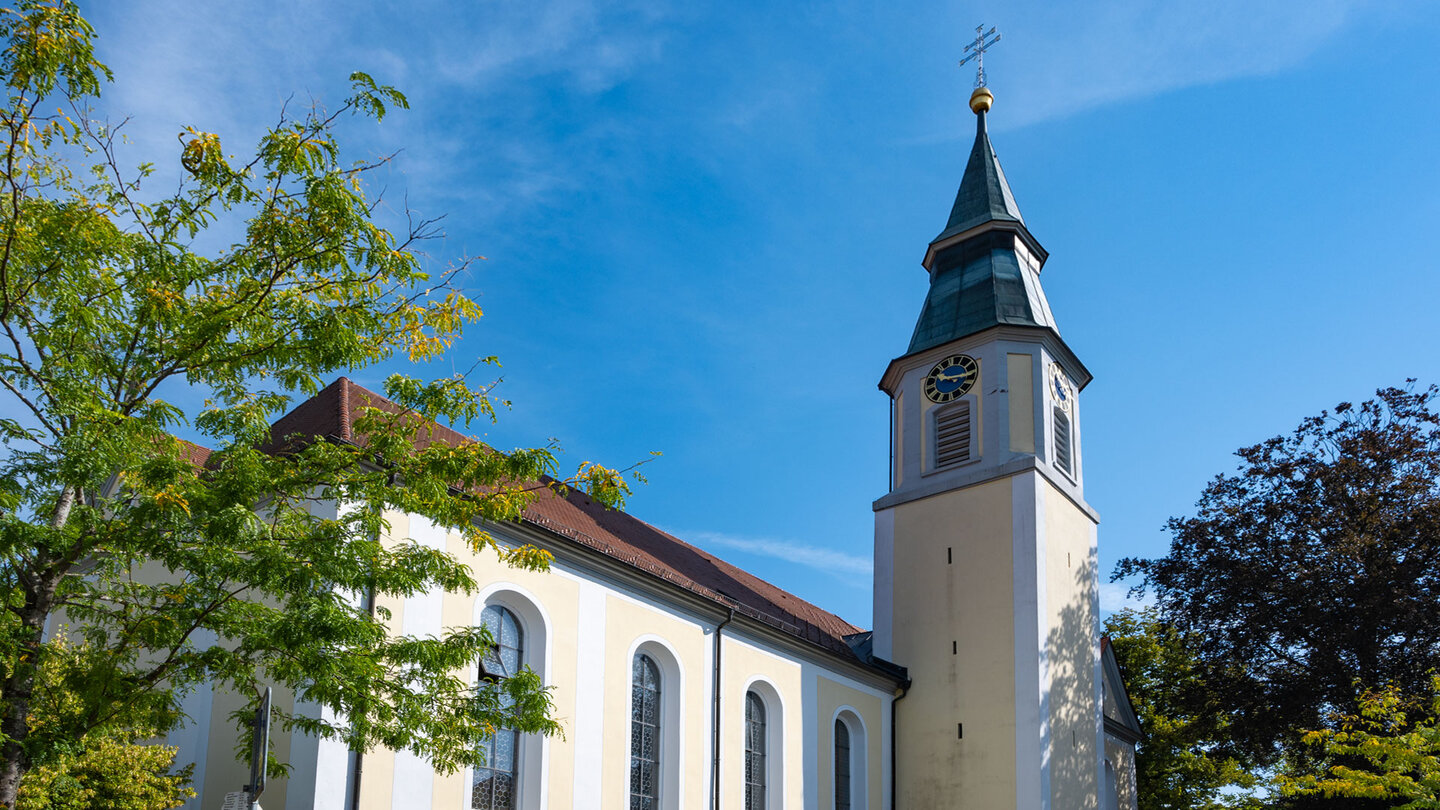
616 534
195 454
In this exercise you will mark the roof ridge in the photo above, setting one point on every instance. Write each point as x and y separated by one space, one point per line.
345 425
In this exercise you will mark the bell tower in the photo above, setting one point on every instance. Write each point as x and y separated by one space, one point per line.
986 582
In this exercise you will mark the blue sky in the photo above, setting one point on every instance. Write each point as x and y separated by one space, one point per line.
704 221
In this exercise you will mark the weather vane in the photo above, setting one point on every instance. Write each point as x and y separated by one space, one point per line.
977 51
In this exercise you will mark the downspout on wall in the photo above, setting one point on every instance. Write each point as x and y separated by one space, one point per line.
360 755
715 718
894 760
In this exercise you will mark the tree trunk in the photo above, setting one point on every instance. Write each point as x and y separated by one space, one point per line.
18 689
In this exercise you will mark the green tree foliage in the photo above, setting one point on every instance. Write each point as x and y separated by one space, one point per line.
175 567
1316 564
111 772
1180 763
108 768
1392 759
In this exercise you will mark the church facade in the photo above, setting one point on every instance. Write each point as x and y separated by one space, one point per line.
683 682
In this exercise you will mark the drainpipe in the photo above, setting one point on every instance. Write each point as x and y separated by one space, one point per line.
359 754
715 718
894 760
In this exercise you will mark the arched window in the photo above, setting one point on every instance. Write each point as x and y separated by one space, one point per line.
755 764
842 765
644 733
494 784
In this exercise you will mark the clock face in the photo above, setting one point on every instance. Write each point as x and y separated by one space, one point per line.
1060 386
951 378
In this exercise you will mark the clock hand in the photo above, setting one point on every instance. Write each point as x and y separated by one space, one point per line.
948 377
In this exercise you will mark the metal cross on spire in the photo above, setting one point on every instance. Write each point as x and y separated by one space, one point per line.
977 51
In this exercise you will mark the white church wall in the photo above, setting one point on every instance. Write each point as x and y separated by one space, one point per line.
884 584
587 749
191 739
414 781
1032 664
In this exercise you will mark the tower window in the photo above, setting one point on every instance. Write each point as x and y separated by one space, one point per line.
1064 450
953 434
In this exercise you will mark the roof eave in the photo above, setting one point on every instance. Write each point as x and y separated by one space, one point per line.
1076 369
702 604
944 241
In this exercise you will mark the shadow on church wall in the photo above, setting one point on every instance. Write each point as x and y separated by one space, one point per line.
1072 651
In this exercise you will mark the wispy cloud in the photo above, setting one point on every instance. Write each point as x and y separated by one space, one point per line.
821 559
594 45
1065 58
1115 596
482 79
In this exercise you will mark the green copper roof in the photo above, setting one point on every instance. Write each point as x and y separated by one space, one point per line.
975 285
979 282
984 195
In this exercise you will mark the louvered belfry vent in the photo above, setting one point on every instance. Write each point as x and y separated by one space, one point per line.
1062 441
952 435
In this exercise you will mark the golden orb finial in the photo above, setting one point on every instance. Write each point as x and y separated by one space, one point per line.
981 99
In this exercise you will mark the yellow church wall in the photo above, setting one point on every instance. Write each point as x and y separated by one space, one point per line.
742 665
973 681
830 697
558 597
1072 650
627 624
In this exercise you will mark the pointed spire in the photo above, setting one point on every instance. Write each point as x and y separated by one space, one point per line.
984 196
991 276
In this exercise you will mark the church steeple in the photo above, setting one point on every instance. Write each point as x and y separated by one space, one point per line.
986 586
984 195
985 266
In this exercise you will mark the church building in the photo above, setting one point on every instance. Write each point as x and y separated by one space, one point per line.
683 682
